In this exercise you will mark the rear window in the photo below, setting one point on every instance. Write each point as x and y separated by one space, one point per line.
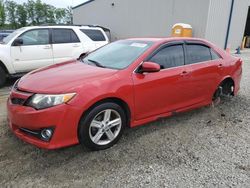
94 34
197 53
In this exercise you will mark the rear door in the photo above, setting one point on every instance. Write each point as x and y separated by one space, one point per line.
35 52
163 91
66 45
206 67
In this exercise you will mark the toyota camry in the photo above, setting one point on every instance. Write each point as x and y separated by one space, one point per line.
123 84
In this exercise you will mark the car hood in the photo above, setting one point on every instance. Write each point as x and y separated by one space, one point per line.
61 78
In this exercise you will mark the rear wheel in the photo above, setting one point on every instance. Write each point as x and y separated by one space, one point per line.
226 88
102 127
3 77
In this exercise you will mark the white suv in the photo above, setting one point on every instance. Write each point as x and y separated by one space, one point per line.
29 48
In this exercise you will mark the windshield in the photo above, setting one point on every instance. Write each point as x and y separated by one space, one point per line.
118 55
12 35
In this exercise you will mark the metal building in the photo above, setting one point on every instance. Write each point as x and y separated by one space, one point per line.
221 21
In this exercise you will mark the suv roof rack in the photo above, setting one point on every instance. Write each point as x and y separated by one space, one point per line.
104 28
89 25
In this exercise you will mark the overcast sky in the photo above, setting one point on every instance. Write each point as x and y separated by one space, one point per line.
58 3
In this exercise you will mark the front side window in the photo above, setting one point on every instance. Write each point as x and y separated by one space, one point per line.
64 36
197 53
94 34
171 56
35 37
118 55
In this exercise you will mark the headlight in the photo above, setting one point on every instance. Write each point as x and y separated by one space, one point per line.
40 101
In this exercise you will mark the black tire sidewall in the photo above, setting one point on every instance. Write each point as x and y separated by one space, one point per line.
83 130
2 77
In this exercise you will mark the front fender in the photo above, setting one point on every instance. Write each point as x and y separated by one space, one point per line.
5 59
95 92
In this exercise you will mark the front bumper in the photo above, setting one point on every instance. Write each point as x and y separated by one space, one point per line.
63 118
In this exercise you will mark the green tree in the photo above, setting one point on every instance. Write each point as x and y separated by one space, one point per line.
34 12
69 15
2 14
50 14
40 12
31 12
21 15
11 8
60 14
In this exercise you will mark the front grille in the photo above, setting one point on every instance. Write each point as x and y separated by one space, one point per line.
18 101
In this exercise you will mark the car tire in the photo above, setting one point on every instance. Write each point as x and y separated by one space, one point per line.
3 77
102 126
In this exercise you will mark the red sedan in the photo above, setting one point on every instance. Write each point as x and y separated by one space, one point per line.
126 83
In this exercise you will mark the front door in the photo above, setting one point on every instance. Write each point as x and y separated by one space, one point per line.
163 91
35 52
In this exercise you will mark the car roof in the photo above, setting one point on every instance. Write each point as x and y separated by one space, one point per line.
170 39
63 26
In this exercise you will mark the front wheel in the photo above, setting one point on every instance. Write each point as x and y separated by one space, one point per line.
102 126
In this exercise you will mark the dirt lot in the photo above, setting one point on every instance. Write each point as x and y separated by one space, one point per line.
206 147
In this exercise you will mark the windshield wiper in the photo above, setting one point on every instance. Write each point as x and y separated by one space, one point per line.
96 63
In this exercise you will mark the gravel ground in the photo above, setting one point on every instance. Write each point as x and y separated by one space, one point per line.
208 147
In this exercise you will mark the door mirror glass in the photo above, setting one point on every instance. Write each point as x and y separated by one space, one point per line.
18 42
149 67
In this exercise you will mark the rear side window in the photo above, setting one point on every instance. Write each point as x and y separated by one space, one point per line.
197 53
214 55
171 56
94 34
64 36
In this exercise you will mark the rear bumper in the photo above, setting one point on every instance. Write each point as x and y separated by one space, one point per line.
237 80
63 118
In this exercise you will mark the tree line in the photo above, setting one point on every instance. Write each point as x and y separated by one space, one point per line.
15 15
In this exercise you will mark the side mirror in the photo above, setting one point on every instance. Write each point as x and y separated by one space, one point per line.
149 67
18 42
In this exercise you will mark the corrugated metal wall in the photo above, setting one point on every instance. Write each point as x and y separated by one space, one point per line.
238 23
154 18
217 22
194 12
143 18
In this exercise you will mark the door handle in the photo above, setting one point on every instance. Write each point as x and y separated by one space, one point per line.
220 65
46 47
185 73
76 45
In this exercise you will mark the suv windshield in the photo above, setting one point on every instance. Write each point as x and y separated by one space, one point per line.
12 35
118 55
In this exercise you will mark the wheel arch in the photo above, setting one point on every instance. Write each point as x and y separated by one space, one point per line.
2 65
124 105
225 80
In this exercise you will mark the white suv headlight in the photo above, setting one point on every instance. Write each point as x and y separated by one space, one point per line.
40 101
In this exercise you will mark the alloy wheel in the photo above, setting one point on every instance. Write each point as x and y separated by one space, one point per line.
105 127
